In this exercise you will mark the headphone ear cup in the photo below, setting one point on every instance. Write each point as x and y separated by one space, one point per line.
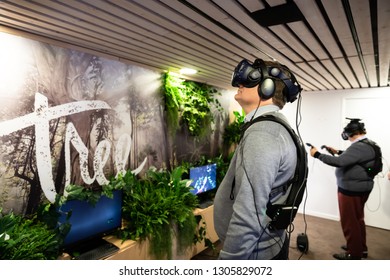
267 89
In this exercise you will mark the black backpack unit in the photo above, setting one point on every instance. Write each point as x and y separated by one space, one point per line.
372 171
282 215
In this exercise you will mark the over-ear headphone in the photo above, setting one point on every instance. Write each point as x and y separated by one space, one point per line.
249 75
267 88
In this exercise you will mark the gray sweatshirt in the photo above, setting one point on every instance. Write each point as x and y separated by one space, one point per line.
264 159
352 179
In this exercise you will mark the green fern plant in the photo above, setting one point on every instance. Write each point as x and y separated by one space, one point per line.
23 238
153 205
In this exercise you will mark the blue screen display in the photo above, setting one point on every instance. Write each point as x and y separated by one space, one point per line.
204 178
88 220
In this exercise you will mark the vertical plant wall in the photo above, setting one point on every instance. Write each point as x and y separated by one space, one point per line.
195 118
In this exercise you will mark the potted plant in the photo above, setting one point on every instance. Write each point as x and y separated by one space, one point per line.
159 207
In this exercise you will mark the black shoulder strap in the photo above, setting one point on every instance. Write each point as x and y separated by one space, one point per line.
283 214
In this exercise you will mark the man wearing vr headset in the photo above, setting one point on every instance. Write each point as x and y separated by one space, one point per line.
354 187
264 160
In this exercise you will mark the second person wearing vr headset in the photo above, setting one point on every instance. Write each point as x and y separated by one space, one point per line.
354 187
264 160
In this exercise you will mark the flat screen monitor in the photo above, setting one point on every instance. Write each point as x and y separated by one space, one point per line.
204 178
90 221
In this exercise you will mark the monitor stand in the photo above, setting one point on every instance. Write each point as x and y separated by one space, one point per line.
205 199
205 203
94 249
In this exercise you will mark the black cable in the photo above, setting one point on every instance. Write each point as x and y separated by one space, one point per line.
298 119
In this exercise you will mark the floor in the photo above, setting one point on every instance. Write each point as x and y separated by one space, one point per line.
325 238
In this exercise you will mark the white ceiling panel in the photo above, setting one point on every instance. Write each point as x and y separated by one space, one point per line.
361 14
332 67
348 72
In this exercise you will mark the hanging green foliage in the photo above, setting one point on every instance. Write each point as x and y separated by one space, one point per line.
173 97
188 103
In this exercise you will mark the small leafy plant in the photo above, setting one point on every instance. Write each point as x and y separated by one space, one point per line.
91 195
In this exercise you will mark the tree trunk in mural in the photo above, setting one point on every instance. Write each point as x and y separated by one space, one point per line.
143 117
214 142
60 171
18 152
166 145
26 170
133 135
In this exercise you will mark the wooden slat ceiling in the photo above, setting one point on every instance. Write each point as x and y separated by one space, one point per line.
328 44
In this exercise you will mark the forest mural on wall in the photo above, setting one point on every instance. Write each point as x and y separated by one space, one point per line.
72 117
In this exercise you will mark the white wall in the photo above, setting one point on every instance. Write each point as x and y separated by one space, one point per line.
323 118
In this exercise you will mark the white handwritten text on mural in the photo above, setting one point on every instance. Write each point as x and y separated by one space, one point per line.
41 117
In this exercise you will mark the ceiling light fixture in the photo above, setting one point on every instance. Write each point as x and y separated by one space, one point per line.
188 71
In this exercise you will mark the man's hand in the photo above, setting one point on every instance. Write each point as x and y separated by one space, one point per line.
313 150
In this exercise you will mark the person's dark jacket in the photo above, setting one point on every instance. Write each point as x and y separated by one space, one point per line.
351 175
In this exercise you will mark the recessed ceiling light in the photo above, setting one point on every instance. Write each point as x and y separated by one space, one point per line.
188 71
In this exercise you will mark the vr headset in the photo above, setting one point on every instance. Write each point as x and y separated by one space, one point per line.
354 126
249 75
